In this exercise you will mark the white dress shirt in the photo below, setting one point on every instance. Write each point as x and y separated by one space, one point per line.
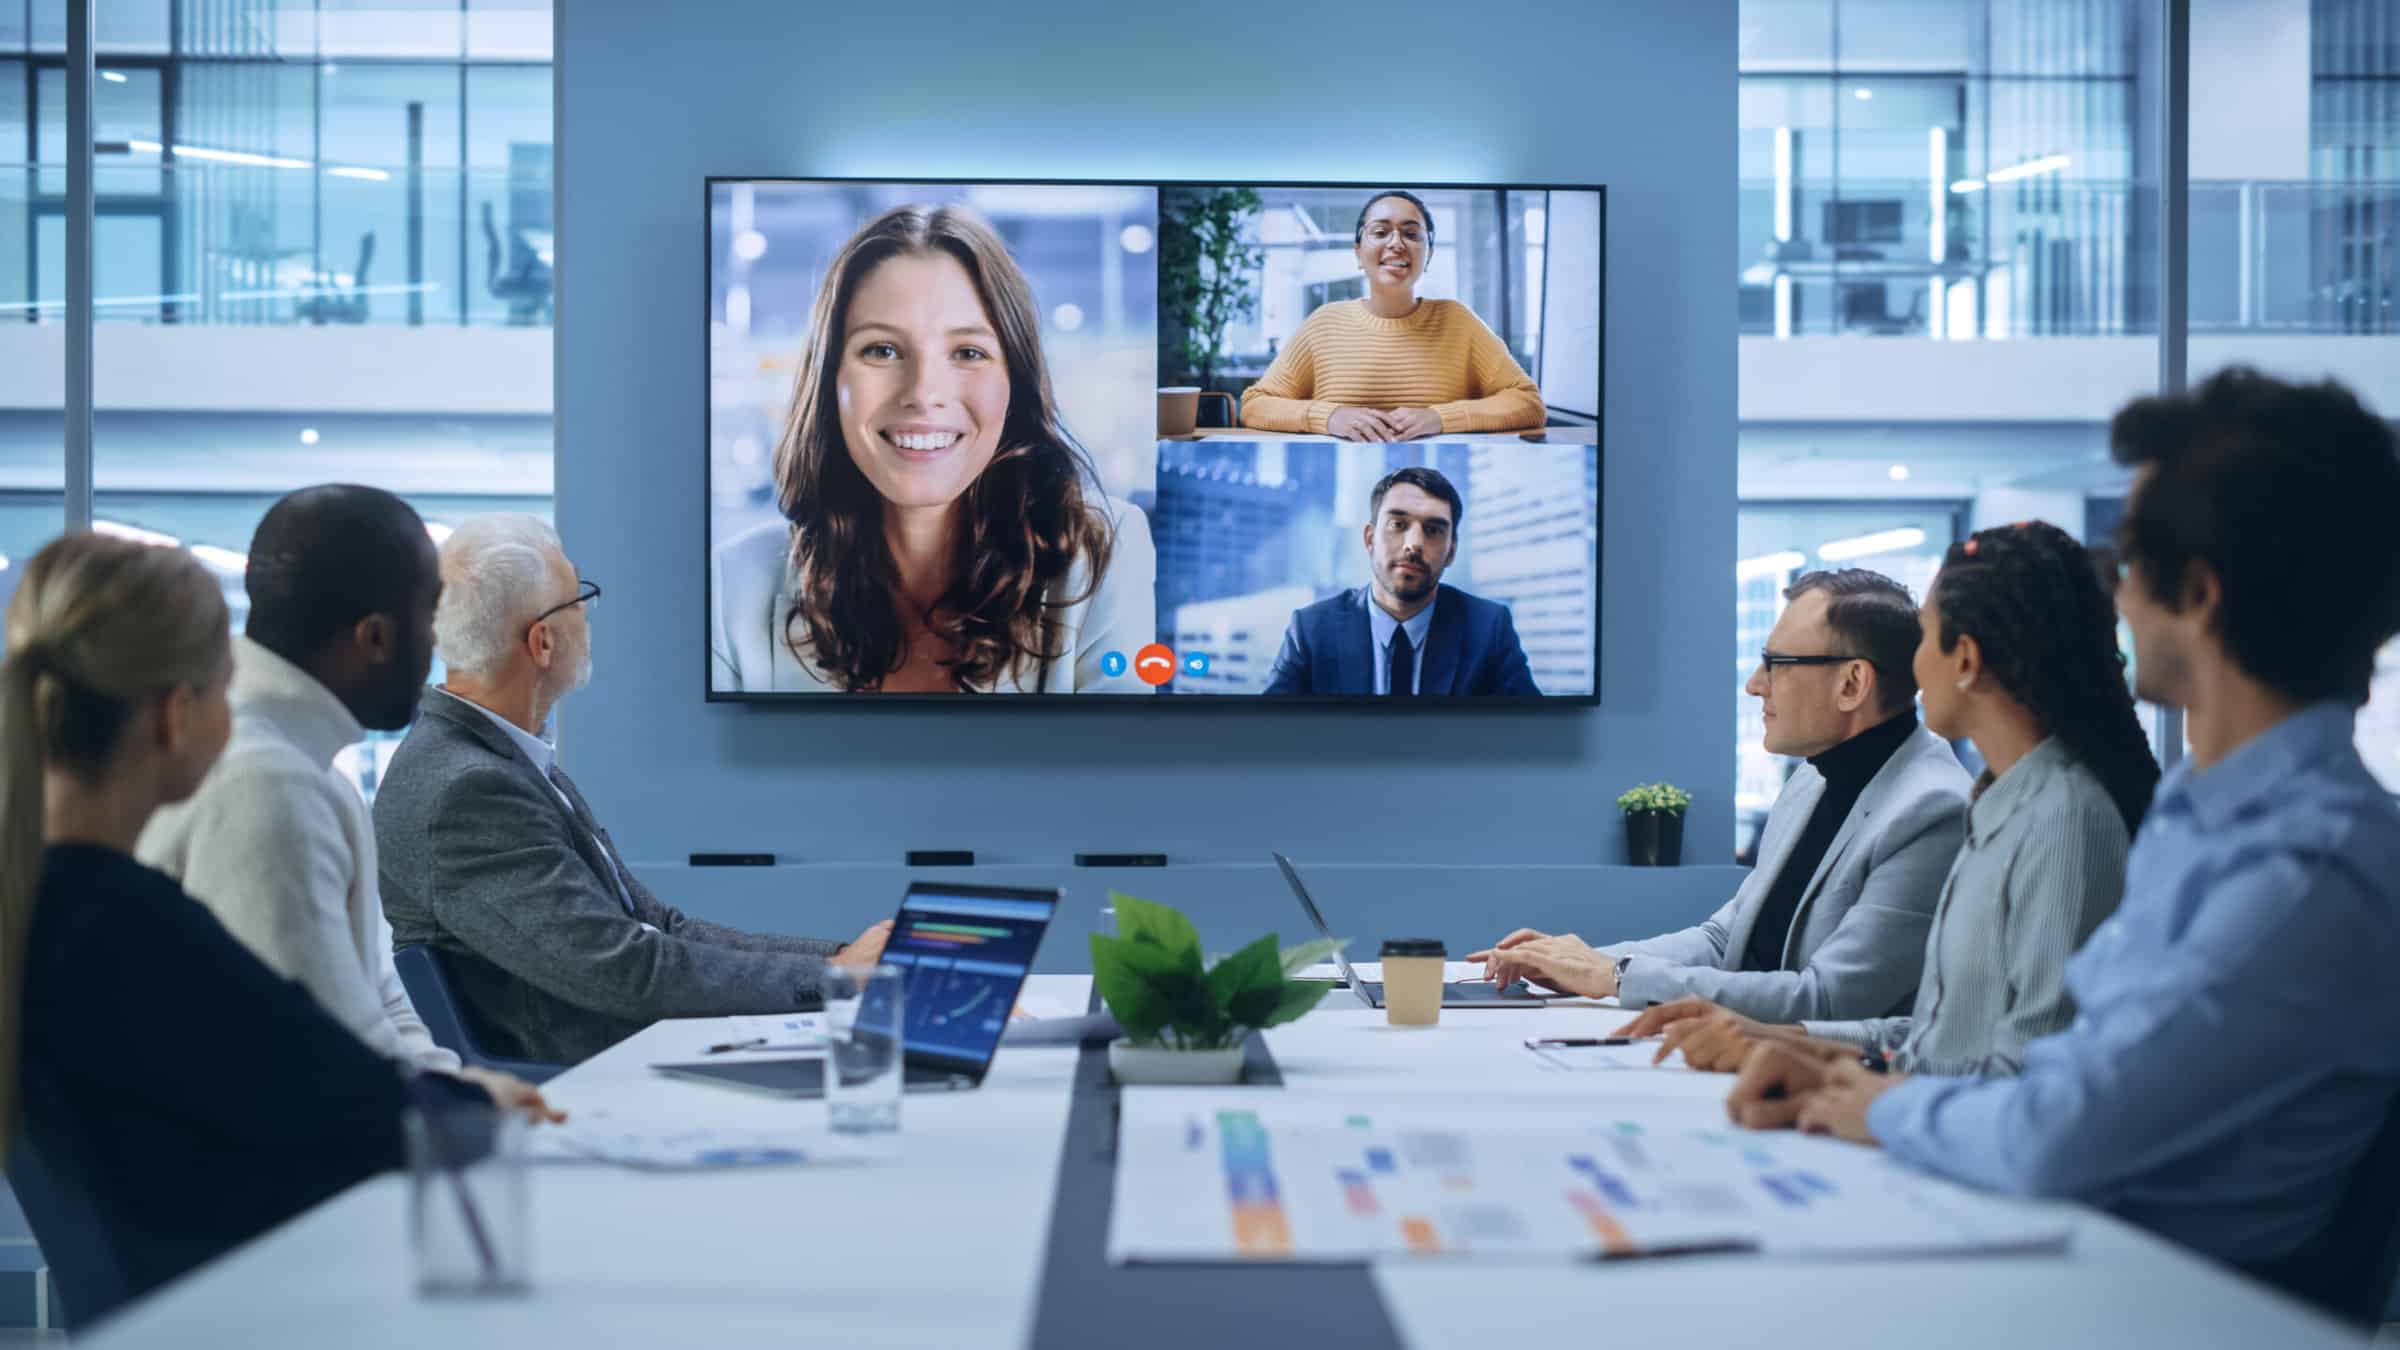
1381 625
281 849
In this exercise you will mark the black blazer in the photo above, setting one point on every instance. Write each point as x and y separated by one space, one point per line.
180 1094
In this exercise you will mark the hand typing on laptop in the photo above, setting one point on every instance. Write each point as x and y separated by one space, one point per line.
1563 962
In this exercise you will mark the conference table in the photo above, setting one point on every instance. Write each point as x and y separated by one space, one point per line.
988 1227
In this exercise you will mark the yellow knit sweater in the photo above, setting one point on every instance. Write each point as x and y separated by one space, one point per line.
1440 356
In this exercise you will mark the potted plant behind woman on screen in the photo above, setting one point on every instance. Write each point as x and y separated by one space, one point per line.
1185 1020
1654 824
1207 275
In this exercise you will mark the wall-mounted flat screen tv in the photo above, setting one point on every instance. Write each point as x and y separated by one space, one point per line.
1092 441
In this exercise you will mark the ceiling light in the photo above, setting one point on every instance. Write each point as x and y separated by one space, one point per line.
1769 564
1966 185
221 156
1067 317
3 562
1867 545
308 436
439 531
113 76
1862 93
119 530
749 246
224 558
365 175
2046 164
1135 238
1899 473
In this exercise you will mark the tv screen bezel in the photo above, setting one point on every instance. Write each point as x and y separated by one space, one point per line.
786 699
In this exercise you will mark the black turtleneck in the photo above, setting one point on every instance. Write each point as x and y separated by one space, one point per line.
1848 768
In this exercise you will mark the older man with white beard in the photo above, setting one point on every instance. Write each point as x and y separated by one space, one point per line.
492 856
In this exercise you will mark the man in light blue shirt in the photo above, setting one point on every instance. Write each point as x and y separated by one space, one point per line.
2233 1053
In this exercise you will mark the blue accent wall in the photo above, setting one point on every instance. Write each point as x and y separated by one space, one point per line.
653 97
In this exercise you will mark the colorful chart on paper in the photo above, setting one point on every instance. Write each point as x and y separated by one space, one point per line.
1254 1176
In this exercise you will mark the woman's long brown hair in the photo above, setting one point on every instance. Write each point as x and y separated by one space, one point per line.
1025 520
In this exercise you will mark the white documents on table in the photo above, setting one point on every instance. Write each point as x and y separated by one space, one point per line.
1219 1175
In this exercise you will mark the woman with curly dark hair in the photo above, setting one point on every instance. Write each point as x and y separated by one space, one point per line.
2018 654
945 534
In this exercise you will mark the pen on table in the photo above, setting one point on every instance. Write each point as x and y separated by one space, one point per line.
751 1044
1580 1042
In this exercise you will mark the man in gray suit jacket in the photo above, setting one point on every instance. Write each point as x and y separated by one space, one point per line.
1832 923
490 854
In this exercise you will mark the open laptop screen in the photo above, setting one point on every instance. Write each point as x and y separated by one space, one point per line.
965 952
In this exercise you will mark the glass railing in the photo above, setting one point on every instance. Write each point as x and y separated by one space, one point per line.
2051 257
283 243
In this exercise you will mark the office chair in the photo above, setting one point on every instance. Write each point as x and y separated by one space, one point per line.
2348 1268
328 302
50 1175
421 973
524 285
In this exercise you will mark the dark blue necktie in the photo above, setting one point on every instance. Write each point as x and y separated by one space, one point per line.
1403 681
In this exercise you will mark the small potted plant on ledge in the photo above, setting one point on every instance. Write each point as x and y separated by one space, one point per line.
1654 824
1185 1020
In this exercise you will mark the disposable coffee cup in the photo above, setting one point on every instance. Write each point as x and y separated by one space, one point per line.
1178 409
1412 981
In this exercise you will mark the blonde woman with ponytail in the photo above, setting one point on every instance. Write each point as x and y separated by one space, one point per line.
165 1096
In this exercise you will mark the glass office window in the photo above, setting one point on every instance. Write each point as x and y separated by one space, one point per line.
294 280
391 29
1959 182
508 30
510 234
33 341
119 26
2295 264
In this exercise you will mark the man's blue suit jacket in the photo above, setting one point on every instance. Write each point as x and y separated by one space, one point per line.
1471 648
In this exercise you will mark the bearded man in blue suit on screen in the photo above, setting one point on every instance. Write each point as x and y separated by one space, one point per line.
1405 633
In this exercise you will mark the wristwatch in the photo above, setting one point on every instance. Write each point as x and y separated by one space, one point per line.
1622 962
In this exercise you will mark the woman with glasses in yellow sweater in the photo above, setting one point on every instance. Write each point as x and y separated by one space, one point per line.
1393 366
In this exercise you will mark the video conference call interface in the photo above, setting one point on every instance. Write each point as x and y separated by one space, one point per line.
1262 442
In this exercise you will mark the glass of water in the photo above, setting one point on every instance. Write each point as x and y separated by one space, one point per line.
863 1022
470 1216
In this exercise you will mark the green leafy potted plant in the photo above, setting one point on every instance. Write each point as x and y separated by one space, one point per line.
1185 1020
1654 824
1206 275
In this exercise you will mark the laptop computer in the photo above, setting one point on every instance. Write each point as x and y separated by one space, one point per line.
1455 993
964 952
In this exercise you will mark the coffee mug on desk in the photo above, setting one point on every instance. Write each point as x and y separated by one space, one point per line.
1412 981
1179 409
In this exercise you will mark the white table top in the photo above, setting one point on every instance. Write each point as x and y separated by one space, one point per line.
942 1248
946 1248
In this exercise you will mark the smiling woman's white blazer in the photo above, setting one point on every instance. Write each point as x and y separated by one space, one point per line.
752 584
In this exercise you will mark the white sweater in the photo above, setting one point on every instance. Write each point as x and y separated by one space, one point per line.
281 849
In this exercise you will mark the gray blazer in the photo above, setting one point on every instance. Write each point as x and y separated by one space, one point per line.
480 858
1857 943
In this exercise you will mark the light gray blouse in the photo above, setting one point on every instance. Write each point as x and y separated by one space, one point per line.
2043 864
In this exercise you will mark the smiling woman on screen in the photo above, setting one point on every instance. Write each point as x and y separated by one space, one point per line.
1393 366
944 533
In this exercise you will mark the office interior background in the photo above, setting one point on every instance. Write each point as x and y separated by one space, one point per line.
325 246
324 249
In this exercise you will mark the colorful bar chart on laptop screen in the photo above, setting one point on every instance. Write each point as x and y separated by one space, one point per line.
965 958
